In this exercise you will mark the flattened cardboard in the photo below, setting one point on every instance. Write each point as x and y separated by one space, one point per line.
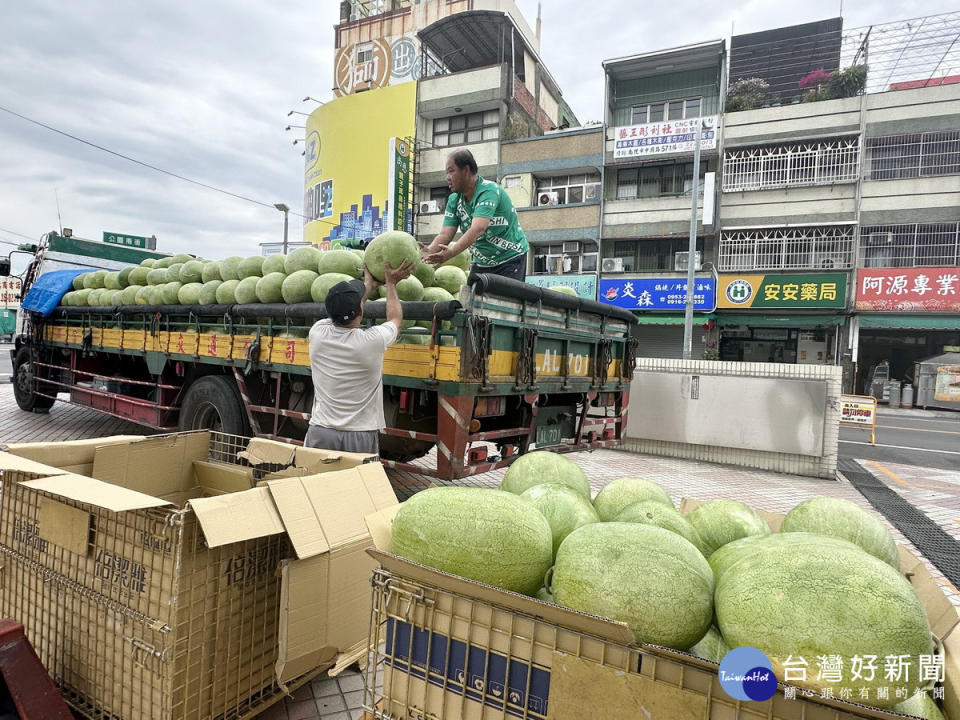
261 451
315 459
325 510
237 516
155 465
10 462
63 525
577 684
95 492
222 477
69 452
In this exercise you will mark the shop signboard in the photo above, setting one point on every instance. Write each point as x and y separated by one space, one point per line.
9 292
658 293
585 285
794 292
859 411
664 138
929 289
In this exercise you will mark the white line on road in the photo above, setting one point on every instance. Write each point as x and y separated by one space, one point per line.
901 447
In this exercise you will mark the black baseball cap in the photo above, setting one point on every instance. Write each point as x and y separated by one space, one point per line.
343 301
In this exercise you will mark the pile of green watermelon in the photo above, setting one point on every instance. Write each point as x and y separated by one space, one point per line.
826 584
304 275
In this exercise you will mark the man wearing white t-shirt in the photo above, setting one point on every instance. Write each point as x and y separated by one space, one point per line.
346 362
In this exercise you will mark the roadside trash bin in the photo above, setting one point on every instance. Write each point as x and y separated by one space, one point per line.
906 396
893 392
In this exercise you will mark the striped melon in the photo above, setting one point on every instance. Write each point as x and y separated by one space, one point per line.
800 602
920 705
722 521
846 520
711 647
542 466
647 577
652 512
490 536
563 507
615 496
733 552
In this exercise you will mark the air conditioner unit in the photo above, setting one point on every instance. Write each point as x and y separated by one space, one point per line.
591 192
612 265
548 198
828 261
572 246
429 206
680 261
354 16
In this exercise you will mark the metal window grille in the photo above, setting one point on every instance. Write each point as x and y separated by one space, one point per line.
912 245
806 248
909 156
793 165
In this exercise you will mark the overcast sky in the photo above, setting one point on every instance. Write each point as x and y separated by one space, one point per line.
202 89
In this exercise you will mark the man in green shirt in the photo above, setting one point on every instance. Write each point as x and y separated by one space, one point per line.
485 215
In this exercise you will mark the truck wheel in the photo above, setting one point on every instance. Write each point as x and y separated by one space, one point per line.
401 449
23 383
213 403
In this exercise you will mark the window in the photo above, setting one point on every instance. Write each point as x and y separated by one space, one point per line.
658 181
913 245
552 260
793 165
665 110
909 156
466 128
826 247
364 53
440 194
652 254
570 188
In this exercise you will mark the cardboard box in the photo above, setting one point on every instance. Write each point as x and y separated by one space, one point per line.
451 648
182 581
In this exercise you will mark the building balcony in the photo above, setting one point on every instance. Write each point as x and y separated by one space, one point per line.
792 122
909 200
468 90
556 223
789 206
650 217
433 162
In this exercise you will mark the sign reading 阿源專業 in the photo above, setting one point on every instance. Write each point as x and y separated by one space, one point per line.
808 290
929 289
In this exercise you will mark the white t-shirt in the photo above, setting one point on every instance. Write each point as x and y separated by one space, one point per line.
347 369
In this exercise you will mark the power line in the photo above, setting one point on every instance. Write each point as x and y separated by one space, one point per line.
12 232
144 164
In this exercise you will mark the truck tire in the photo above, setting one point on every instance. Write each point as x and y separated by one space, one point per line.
401 449
213 403
23 383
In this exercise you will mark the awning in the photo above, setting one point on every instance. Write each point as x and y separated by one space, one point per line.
672 318
911 322
783 321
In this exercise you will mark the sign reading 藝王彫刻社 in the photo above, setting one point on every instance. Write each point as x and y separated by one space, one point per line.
664 138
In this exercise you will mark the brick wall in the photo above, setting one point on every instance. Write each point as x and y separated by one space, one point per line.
824 466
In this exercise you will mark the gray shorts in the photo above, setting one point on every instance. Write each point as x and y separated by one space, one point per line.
355 441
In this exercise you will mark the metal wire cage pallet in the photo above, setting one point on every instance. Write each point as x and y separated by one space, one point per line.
440 655
142 620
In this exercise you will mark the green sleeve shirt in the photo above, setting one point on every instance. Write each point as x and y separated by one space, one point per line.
503 239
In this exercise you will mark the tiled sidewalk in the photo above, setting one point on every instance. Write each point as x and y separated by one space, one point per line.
935 492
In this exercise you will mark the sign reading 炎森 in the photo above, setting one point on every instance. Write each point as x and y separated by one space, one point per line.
585 285
664 138
809 290
658 293
929 289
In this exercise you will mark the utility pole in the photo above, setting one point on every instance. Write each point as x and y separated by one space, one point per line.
286 213
692 250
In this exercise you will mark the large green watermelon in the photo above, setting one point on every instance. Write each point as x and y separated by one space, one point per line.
656 512
273 263
303 258
619 493
321 285
249 267
711 646
461 260
157 276
647 577
450 279
490 536
189 294
410 289
229 268
78 280
171 293
112 280
225 293
721 521
435 294
191 272
543 466
425 274
340 261
846 520
797 602
208 293
563 507
246 290
269 288
296 286
211 271
919 705
391 247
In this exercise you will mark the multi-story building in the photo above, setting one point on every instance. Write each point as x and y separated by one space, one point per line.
413 81
834 236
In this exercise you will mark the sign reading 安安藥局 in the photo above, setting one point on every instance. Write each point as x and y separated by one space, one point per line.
809 290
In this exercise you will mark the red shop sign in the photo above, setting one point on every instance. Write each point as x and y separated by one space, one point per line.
933 289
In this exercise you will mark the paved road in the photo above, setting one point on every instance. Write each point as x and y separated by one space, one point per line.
908 437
